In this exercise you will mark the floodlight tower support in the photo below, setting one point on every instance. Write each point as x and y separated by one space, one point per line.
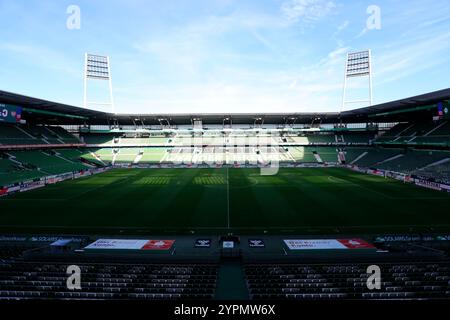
97 67
358 64
85 82
370 78
111 90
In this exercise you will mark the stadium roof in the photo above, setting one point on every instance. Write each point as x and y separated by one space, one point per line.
50 107
412 106
43 111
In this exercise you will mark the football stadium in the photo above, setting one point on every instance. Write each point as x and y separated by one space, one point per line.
261 206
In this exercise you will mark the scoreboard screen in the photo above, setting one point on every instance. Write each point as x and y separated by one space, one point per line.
10 113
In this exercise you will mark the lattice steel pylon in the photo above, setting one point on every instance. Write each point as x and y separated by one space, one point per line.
97 67
358 64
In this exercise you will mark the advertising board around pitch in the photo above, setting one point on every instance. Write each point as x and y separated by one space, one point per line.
327 244
132 245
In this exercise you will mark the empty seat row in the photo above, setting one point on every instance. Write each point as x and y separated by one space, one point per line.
34 280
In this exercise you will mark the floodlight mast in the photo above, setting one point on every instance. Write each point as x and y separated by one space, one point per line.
97 67
358 64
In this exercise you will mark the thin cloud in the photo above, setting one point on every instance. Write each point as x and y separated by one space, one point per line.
306 11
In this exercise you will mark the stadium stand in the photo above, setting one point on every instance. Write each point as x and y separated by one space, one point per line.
357 138
70 154
374 157
438 172
47 280
377 155
143 141
313 139
14 134
31 134
411 280
101 156
11 172
353 153
118 139
303 154
321 138
327 154
63 135
98 139
414 160
48 162
152 155
126 155
315 203
426 133
18 166
90 156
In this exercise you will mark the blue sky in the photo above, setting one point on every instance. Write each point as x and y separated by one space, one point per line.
223 55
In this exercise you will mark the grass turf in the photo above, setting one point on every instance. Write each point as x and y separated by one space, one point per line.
309 200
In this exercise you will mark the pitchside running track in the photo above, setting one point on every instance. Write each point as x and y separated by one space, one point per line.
309 200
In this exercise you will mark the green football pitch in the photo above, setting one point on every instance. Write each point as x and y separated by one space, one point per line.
144 201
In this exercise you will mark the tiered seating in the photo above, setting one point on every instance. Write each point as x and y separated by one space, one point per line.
209 140
443 130
17 176
303 154
414 160
348 281
12 251
98 139
180 155
376 155
327 154
152 155
11 135
71 154
348 138
351 154
11 172
418 129
42 133
105 154
126 155
398 129
30 134
6 165
321 138
440 172
142 141
88 154
358 137
313 139
158 140
299 140
64 135
34 280
109 139
234 140
46 162
439 136
431 133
